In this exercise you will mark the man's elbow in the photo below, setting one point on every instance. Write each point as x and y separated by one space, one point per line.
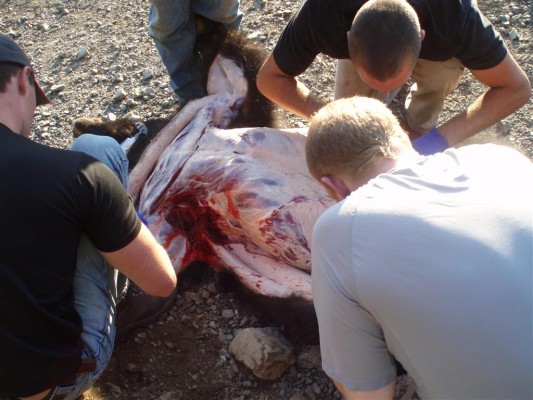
521 91
164 287
262 81
525 91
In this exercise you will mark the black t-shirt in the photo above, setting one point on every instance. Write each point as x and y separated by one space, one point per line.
454 28
48 197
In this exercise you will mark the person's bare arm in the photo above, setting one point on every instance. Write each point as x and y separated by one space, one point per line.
146 263
286 91
509 89
384 393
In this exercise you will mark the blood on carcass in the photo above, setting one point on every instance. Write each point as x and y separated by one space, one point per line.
239 199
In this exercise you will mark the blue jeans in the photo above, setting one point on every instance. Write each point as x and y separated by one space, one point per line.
97 285
171 25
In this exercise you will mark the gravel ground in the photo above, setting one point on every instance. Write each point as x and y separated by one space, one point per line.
95 58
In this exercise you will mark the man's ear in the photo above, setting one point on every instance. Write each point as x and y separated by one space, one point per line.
23 80
336 185
422 34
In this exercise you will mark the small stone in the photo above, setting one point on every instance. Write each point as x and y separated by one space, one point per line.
191 296
82 53
133 117
254 35
149 92
112 117
57 88
13 34
503 127
227 314
309 358
513 34
147 74
503 18
119 95
133 368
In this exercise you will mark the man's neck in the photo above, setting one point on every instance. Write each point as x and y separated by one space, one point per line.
9 117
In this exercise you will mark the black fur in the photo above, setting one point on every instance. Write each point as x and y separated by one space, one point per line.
256 110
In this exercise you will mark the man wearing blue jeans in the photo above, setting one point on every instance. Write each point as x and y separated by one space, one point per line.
171 25
67 224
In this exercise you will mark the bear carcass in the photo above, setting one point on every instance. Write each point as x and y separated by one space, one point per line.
237 199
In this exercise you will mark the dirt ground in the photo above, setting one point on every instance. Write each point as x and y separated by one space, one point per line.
85 52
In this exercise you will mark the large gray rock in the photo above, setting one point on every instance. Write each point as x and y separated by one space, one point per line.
264 350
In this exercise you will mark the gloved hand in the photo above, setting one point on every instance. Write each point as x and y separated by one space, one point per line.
430 143
141 218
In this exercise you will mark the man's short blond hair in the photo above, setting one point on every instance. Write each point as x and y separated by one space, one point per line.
346 136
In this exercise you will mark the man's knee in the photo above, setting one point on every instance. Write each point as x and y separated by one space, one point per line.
167 19
439 77
225 12
94 145
107 150
435 80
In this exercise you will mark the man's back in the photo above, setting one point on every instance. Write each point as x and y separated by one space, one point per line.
49 197
434 264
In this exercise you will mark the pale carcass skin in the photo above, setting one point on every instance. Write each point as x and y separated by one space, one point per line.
240 199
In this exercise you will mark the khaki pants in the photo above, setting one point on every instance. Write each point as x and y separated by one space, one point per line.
434 80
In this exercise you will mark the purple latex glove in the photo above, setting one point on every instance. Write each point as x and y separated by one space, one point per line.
141 218
430 143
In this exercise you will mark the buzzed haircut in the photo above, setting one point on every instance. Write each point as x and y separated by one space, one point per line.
7 71
385 35
346 136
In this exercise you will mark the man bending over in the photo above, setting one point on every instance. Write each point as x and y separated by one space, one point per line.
426 258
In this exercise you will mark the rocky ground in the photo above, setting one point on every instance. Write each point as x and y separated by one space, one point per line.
95 58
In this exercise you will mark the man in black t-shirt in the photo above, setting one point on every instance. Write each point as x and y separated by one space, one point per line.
381 43
66 219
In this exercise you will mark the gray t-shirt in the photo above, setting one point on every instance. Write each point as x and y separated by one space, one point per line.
433 264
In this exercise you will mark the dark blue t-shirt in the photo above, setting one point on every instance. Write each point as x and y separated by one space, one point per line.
454 28
48 198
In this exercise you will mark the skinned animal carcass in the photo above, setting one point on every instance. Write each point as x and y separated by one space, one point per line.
241 199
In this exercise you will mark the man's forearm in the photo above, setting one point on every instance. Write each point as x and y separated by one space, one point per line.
488 109
286 91
509 90
294 96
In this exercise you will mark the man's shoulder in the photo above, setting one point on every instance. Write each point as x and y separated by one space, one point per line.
337 218
42 160
494 157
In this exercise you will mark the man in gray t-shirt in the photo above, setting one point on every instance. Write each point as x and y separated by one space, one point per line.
426 258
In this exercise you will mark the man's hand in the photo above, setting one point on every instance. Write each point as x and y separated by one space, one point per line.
146 263
286 91
430 143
